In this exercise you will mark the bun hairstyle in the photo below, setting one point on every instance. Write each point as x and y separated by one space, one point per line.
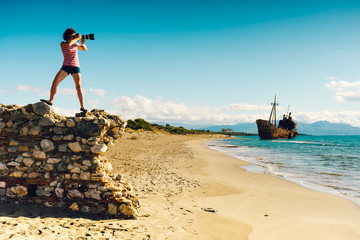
68 32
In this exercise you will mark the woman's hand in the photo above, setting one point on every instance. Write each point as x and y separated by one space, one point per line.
82 46
77 37
72 40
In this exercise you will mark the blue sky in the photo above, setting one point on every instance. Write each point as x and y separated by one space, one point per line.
197 62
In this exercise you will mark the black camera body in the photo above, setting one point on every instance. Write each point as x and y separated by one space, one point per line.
88 36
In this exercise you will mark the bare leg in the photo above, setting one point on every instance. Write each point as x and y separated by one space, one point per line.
77 80
61 75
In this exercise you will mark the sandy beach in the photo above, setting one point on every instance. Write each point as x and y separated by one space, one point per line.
188 191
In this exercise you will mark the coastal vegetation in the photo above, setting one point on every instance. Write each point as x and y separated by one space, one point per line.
141 124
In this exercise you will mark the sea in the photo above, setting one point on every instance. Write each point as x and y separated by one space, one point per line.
328 164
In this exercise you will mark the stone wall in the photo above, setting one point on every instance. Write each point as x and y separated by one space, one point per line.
57 161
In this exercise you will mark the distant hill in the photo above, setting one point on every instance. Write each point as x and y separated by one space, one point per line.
327 128
240 127
316 128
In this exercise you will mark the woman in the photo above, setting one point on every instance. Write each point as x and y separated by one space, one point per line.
71 65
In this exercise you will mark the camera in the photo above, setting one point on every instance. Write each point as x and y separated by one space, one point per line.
88 36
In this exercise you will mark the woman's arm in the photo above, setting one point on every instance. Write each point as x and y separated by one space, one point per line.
82 46
71 42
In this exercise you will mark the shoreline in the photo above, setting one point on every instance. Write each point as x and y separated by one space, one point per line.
256 168
293 209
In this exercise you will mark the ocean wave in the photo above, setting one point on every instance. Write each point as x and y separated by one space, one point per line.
326 164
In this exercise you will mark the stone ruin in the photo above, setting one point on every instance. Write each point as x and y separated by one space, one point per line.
56 161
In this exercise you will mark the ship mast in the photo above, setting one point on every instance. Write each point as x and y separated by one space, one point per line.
287 114
273 111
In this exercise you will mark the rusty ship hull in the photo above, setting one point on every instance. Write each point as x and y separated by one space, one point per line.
268 130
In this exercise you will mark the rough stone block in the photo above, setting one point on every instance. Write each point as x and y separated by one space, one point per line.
58 130
46 122
75 146
75 194
13 142
112 209
3 168
99 148
69 137
41 108
70 123
59 192
20 191
28 162
39 154
54 160
63 148
47 145
35 131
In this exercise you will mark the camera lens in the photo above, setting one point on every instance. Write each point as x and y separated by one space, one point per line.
89 36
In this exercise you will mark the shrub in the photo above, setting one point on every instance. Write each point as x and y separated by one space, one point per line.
140 123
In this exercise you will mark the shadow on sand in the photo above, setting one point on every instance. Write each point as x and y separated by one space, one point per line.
13 209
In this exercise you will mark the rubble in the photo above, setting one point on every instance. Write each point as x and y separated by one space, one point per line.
57 161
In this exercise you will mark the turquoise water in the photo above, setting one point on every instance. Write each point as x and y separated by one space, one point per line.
324 163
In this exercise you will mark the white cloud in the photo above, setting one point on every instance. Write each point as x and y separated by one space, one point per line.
159 110
26 88
169 111
69 91
330 78
93 103
66 112
98 91
3 91
247 107
342 85
37 90
66 91
348 117
345 91
60 91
